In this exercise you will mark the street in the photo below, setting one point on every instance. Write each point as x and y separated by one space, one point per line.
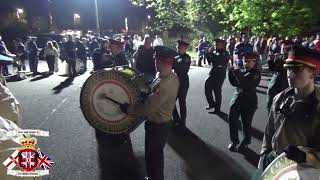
198 152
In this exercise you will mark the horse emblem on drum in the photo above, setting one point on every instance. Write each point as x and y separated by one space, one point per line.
101 95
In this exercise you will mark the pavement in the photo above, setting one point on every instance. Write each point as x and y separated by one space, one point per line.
197 152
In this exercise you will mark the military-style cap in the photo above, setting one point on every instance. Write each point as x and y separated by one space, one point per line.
182 43
250 56
116 42
299 55
217 40
165 54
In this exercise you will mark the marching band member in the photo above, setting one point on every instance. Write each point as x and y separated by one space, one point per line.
295 113
244 102
181 67
157 109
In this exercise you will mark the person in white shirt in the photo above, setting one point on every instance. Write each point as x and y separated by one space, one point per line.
50 55
157 41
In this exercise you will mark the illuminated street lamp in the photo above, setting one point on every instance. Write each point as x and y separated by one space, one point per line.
149 17
97 17
76 19
126 24
19 12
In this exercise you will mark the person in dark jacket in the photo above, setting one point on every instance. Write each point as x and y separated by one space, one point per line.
144 60
244 102
21 53
242 48
33 56
181 67
93 45
116 49
81 52
279 80
101 57
219 60
70 48
293 125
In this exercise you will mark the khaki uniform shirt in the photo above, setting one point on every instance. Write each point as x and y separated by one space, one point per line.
9 106
160 103
301 127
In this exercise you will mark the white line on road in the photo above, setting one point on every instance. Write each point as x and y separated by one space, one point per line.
52 112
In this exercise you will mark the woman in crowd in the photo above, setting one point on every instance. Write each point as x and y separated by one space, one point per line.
56 61
50 55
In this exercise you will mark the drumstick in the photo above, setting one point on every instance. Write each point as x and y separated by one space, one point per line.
114 101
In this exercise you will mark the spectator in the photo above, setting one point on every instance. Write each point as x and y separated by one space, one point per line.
21 54
158 41
128 49
144 60
136 42
242 48
50 55
33 56
101 57
317 42
70 48
116 49
56 62
202 50
93 45
81 52
230 47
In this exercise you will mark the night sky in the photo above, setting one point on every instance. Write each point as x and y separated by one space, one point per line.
112 12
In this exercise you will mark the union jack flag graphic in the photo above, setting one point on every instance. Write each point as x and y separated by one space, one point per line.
44 161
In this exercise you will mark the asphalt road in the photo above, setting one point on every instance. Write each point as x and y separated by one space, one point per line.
198 152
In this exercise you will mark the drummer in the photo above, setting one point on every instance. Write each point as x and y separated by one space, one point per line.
116 49
157 109
295 113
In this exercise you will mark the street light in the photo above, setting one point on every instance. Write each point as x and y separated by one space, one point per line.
76 19
149 17
19 12
126 24
97 17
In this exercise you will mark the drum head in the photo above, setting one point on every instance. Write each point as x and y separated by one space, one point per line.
283 169
102 113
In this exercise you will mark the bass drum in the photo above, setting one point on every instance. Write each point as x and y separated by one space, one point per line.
283 168
121 86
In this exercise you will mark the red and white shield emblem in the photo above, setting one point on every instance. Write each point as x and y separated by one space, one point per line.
28 159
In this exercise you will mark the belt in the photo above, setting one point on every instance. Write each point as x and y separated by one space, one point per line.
219 66
240 90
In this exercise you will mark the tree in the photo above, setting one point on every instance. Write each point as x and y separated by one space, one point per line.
282 17
199 16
